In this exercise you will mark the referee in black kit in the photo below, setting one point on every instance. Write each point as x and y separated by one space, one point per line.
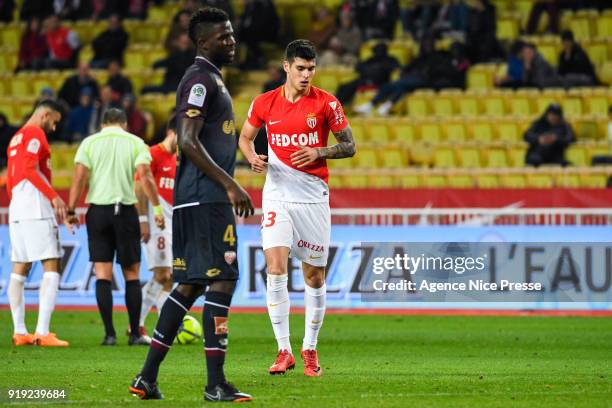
107 161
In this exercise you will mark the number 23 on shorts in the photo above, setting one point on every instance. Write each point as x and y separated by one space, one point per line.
268 219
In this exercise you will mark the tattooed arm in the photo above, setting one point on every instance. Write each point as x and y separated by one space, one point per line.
345 148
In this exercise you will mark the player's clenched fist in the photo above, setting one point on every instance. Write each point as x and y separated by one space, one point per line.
240 199
259 163
304 156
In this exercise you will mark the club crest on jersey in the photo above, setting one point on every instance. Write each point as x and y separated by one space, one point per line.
230 257
311 120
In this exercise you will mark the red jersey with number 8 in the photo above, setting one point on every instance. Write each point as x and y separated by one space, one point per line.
291 126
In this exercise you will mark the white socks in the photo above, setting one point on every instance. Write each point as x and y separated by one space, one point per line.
278 309
161 299
47 296
17 302
314 303
150 292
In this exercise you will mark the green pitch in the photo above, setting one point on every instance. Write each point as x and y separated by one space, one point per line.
368 361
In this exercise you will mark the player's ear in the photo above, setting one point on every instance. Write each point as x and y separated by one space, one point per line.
286 66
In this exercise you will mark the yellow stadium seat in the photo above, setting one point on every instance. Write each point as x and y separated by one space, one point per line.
468 106
378 132
157 53
585 128
327 81
430 132
469 157
517 156
10 35
340 164
355 181
335 181
477 79
487 181
442 106
454 131
410 180
598 150
598 53
8 108
519 106
572 106
417 107
460 181
597 105
512 181
444 157
482 132
421 154
577 156
605 72
543 101
494 105
539 180
507 29
358 132
581 27
550 52
593 180
135 59
507 131
404 131
567 180
495 158
21 85
257 181
367 158
604 26
378 181
434 181
393 158
400 51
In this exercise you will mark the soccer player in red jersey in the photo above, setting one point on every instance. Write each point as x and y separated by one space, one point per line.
296 216
158 241
34 212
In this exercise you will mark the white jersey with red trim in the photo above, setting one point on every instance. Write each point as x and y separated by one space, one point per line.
290 126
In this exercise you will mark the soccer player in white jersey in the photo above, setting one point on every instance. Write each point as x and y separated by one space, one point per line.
158 241
296 216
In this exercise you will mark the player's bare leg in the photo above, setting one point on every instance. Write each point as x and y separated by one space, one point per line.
48 293
155 292
20 272
133 302
314 304
277 296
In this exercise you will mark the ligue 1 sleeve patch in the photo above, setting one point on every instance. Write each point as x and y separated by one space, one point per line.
197 95
221 326
33 146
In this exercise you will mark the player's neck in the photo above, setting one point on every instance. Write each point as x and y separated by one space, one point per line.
167 145
293 94
209 59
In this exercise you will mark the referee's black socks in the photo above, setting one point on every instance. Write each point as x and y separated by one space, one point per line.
216 310
104 298
133 302
170 318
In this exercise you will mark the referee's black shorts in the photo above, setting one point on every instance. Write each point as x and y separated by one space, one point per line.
109 233
204 244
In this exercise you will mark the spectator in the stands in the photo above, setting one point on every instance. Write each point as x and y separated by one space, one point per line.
63 44
259 23
432 69
537 9
71 90
373 73
481 41
137 9
119 83
137 120
344 45
419 17
80 117
110 44
33 48
574 63
180 27
548 138
6 10
537 72
514 75
276 78
6 133
322 28
72 9
100 107
382 17
175 65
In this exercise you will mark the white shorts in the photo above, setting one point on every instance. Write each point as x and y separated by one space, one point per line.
34 240
159 251
304 228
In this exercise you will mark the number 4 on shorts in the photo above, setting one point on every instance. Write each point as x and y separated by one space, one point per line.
228 235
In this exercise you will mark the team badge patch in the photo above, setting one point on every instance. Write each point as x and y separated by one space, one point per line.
221 326
311 120
230 257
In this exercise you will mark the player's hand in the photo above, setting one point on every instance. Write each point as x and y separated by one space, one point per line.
160 222
71 221
145 233
60 207
304 157
240 199
259 163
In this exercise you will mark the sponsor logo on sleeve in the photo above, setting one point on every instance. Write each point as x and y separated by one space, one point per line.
197 95
33 146
337 108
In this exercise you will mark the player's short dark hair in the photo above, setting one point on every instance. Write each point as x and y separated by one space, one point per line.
50 104
114 116
204 18
304 49
171 125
